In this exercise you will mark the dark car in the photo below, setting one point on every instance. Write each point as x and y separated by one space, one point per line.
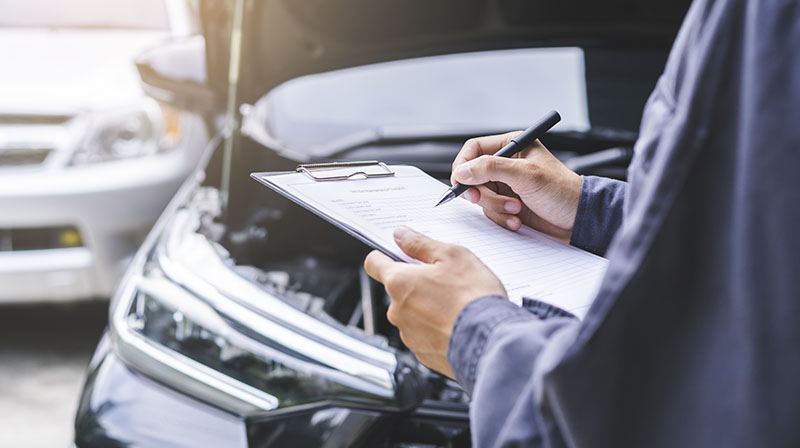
245 320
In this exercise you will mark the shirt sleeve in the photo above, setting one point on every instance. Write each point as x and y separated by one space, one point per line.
599 213
499 353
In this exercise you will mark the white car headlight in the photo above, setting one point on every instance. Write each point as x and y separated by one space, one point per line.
146 129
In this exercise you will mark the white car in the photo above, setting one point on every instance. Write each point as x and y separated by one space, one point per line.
87 161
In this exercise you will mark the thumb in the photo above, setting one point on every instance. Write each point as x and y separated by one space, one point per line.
377 265
417 245
492 169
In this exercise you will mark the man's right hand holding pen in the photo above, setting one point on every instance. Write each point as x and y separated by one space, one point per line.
532 188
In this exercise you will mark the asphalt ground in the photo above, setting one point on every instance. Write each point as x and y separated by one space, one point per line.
44 351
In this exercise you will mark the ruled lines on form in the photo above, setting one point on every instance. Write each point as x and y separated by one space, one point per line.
528 263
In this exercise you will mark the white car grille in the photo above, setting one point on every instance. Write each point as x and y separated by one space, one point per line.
28 139
30 119
10 157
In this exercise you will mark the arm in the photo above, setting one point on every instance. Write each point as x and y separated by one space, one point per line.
452 312
499 353
599 214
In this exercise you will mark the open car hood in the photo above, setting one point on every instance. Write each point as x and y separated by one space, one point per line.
284 39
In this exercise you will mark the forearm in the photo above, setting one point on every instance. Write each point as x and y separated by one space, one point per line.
599 213
499 353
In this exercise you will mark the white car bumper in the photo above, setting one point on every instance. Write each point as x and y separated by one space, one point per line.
112 205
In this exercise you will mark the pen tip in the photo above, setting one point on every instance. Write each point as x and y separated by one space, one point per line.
446 198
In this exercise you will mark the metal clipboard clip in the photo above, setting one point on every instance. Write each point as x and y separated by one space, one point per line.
314 170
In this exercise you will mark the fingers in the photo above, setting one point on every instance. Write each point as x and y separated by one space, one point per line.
472 195
378 265
510 222
382 268
476 147
396 276
495 202
494 169
417 245
497 207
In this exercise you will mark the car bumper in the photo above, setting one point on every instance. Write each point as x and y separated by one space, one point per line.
112 205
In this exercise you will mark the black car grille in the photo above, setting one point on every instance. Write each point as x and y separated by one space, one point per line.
23 157
41 238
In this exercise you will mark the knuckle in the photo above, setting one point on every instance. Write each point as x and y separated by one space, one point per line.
369 263
529 164
461 251
390 278
404 337
452 251
492 164
413 245
533 169
391 315
447 251
478 166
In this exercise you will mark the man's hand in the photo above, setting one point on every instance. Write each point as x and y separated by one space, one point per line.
427 298
532 188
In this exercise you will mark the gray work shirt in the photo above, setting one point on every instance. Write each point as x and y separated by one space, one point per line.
694 337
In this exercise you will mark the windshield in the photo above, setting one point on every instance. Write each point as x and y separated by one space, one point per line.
127 14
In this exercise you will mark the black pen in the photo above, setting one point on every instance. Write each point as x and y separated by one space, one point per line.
517 144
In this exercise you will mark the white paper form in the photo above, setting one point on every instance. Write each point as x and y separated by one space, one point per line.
528 263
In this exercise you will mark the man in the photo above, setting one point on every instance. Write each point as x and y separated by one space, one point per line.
693 337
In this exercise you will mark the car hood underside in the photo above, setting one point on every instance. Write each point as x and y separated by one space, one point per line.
292 38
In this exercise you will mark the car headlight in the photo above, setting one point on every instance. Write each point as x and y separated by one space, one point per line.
127 133
183 317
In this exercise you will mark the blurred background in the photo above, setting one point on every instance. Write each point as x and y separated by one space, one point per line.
87 164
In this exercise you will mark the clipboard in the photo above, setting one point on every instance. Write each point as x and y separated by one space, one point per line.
334 172
381 197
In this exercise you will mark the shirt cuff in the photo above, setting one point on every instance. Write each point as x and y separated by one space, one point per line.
472 329
599 213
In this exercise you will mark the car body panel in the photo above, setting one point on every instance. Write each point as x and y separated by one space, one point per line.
56 70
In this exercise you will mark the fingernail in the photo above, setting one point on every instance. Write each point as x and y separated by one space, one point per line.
511 223
463 172
511 207
401 232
